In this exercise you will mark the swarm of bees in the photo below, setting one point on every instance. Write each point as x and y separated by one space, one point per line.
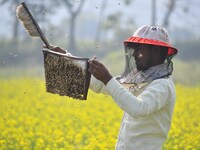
66 76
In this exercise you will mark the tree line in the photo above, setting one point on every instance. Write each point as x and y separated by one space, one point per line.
40 10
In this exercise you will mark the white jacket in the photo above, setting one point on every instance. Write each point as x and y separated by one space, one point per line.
147 113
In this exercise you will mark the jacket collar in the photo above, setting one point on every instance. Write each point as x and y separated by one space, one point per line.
155 72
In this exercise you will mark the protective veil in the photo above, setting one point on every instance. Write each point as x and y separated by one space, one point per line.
132 76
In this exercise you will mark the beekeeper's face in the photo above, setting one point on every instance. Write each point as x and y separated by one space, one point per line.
143 57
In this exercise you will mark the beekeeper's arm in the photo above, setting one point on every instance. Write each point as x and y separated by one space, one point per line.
97 86
152 99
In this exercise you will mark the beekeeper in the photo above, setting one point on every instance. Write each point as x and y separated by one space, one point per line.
145 91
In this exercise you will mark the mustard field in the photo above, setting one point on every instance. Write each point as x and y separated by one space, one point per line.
31 119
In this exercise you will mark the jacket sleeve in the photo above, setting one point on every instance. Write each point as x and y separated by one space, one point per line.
153 98
97 86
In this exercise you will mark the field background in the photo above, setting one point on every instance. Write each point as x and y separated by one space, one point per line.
30 118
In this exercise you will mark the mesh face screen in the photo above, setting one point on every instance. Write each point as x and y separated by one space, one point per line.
129 62
66 76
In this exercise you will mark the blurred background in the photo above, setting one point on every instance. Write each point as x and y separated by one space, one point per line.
98 27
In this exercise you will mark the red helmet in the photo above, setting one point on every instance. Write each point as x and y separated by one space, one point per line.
152 35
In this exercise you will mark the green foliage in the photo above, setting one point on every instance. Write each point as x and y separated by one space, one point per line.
115 62
26 56
188 50
128 2
25 53
186 72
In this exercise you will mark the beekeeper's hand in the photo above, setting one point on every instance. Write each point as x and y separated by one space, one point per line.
99 71
56 49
